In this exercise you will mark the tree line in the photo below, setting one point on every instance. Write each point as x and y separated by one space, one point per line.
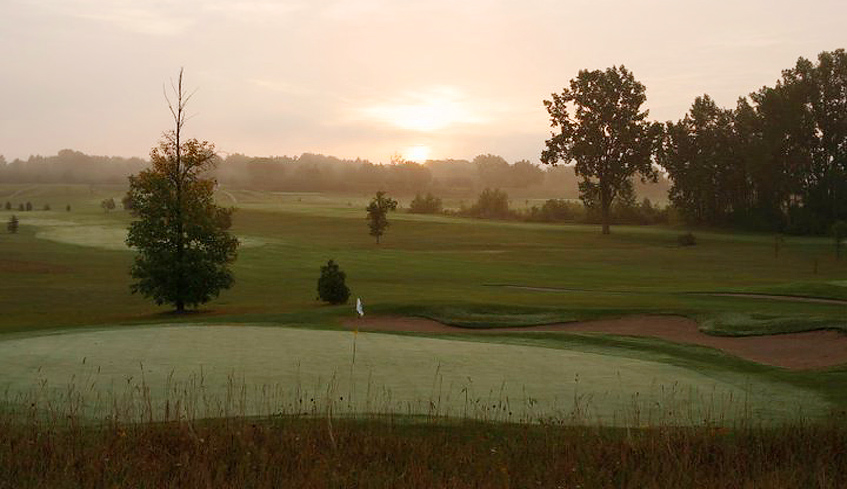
319 173
777 161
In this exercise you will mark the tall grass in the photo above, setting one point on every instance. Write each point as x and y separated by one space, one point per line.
61 449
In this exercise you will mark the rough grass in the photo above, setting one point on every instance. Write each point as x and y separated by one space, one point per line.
295 452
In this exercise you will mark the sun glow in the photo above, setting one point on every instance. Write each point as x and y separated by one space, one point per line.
425 111
418 153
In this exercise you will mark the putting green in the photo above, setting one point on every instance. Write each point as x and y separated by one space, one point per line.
226 370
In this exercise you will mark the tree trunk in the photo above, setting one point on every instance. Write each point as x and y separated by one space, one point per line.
605 204
180 305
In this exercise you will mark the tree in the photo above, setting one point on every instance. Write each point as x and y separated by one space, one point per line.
378 214
701 154
12 225
8 205
839 234
603 129
181 236
29 206
331 286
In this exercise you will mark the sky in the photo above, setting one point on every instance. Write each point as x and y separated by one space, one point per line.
372 78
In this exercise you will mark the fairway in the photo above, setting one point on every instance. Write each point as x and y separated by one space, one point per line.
69 319
226 370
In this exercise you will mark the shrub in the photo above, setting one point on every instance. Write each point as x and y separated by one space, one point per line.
557 210
29 206
491 204
46 207
687 239
429 204
331 286
108 204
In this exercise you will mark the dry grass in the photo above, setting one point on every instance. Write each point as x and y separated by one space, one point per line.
394 452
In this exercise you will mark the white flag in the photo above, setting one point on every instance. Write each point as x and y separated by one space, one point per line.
359 308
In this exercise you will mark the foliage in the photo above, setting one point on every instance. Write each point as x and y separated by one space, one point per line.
491 204
29 206
428 204
331 284
602 128
557 210
126 202
184 249
68 208
108 204
687 239
8 206
46 207
12 225
378 210
778 164
21 207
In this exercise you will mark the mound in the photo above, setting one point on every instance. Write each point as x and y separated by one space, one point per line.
815 349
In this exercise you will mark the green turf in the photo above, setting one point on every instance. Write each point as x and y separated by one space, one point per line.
70 270
266 370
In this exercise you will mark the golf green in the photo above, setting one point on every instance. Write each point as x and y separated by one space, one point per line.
226 370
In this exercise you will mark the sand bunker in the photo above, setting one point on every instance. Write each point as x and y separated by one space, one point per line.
815 349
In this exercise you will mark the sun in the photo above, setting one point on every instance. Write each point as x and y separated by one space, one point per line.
418 153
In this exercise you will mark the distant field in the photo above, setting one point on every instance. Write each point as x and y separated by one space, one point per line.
69 270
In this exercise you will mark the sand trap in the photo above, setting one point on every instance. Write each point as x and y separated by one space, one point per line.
815 349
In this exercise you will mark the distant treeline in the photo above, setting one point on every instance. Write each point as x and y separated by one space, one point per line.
779 163
319 173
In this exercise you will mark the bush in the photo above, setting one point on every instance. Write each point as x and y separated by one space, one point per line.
29 206
557 210
491 204
108 204
425 205
331 286
687 239
46 207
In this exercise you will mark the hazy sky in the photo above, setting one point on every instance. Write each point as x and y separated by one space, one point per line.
368 78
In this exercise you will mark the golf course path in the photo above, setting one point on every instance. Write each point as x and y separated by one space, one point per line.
808 350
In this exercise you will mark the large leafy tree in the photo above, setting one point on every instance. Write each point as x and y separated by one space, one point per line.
703 157
180 234
602 128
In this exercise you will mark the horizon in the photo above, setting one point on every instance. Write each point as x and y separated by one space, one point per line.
369 79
